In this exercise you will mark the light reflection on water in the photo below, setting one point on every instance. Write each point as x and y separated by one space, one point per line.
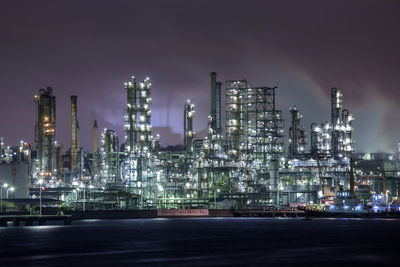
91 220
199 241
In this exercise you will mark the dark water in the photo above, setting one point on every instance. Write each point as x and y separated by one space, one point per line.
214 241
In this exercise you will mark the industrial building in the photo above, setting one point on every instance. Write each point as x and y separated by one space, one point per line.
244 163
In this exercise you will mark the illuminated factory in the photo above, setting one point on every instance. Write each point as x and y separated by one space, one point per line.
244 163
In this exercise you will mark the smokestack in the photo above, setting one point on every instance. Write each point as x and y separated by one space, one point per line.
95 137
74 132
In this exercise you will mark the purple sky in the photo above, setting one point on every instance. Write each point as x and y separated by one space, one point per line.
89 48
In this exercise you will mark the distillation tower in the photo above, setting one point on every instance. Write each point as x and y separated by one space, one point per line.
188 127
136 170
45 131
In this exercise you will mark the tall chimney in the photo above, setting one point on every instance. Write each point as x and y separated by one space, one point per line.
74 133
95 137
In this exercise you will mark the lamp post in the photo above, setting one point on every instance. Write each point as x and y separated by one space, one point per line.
215 198
10 189
1 197
387 199
40 194
90 192
84 196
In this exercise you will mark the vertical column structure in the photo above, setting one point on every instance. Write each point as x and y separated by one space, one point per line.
95 137
59 160
109 155
215 104
264 142
297 134
342 131
45 130
78 137
218 106
347 129
293 135
336 105
234 108
138 146
188 126
109 141
2 143
95 155
145 116
74 134
130 117
314 149
254 131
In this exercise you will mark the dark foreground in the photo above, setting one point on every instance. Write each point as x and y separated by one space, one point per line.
204 241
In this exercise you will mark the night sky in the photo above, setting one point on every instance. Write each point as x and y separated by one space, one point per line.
90 48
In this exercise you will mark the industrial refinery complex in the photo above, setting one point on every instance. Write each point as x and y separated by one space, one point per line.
249 159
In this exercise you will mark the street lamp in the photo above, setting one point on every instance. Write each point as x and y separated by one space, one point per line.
90 191
1 196
215 198
84 196
40 194
10 189
387 199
